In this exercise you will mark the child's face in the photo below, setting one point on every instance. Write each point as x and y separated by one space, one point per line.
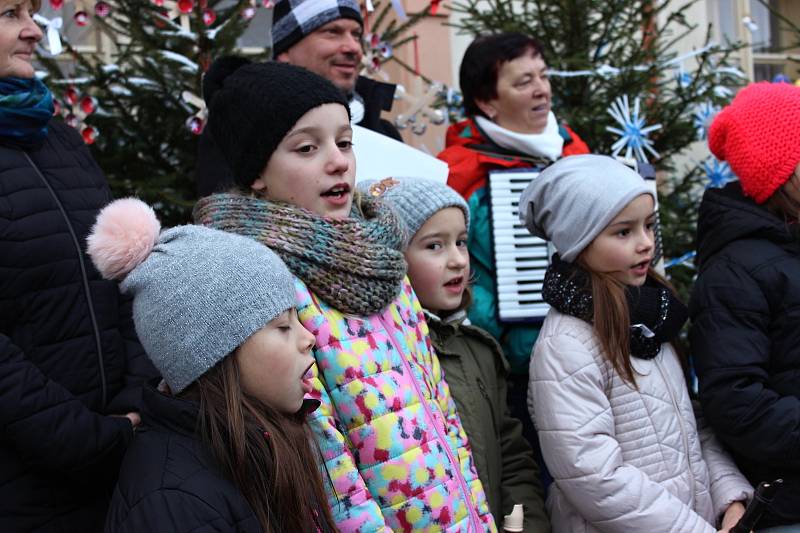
274 360
314 166
438 260
625 247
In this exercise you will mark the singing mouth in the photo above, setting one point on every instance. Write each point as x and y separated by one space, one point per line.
337 191
455 282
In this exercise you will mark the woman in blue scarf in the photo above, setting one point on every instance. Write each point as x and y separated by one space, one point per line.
70 364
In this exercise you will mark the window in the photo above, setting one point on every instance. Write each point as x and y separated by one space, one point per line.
775 44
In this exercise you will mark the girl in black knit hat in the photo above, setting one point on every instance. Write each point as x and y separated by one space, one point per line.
387 424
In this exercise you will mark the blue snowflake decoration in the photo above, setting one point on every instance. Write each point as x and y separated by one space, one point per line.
704 114
683 78
453 102
634 134
718 172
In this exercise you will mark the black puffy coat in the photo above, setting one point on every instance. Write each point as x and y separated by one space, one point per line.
68 351
169 481
745 339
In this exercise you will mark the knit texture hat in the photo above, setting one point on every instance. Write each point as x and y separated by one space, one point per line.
575 198
253 107
757 134
414 200
294 19
198 293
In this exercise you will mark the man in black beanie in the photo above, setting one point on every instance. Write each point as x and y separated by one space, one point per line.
323 36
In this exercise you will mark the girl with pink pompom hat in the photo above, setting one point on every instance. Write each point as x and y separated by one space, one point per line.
225 443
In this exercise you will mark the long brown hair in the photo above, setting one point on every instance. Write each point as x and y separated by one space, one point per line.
267 455
612 323
783 205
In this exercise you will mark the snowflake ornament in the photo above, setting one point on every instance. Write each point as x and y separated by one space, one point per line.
421 104
704 114
718 172
634 134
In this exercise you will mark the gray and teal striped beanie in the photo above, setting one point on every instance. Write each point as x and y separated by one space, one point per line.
414 200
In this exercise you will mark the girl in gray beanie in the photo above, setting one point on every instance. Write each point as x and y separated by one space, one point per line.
226 443
607 389
436 222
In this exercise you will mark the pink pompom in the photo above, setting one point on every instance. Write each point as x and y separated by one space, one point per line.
122 237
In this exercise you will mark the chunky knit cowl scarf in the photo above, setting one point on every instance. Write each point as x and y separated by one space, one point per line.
656 315
354 264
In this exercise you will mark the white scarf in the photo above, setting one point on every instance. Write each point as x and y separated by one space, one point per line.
547 144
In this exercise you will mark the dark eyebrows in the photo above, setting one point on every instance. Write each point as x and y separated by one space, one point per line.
649 217
312 130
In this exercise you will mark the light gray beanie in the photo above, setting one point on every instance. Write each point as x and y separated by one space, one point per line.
575 198
198 293
414 200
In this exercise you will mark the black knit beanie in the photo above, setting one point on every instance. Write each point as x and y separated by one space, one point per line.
252 106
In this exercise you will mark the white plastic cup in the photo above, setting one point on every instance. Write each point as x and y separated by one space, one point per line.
512 523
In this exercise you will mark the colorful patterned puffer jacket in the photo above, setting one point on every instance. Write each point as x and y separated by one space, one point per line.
387 426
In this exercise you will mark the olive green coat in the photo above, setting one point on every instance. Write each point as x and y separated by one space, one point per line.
475 369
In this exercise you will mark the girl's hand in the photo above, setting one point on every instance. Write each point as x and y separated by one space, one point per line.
133 417
733 513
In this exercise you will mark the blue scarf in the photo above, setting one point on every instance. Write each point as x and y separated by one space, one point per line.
26 106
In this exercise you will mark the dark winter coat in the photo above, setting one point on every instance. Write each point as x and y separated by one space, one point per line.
745 339
68 351
475 370
212 173
169 481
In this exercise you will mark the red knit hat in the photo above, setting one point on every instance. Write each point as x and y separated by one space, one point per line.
758 134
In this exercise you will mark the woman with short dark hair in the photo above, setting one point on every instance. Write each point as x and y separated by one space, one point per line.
509 125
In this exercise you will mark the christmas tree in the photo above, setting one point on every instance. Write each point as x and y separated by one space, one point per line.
138 104
614 66
135 105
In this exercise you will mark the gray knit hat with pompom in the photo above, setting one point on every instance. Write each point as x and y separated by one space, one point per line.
198 293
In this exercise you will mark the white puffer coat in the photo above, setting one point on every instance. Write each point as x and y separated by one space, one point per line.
623 460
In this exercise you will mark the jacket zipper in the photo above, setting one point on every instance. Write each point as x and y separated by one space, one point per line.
84 277
439 431
683 431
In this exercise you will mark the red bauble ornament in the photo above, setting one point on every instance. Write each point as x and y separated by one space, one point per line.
89 134
202 4
248 12
195 125
159 3
56 4
269 4
209 16
71 120
88 104
185 6
81 18
204 61
102 9
71 94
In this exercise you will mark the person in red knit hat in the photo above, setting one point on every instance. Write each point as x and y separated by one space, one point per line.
745 306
